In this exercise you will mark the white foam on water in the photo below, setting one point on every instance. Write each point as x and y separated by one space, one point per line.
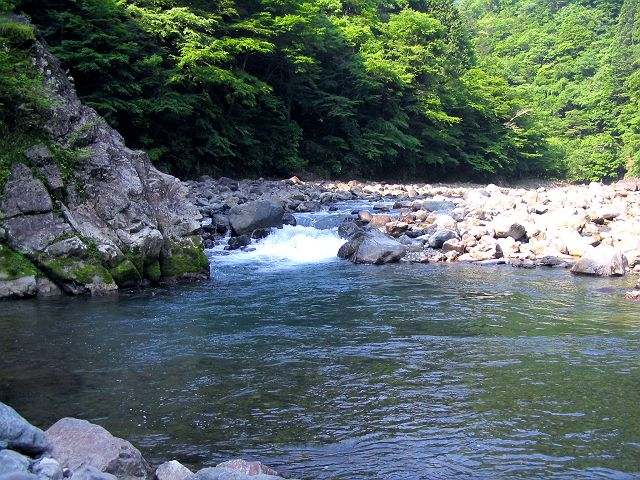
289 246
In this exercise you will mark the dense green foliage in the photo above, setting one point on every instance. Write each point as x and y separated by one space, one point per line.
356 87
22 99
577 64
380 88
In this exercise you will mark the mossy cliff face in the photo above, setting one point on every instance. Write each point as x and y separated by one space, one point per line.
81 209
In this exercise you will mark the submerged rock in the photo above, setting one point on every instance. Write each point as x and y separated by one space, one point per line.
374 247
78 443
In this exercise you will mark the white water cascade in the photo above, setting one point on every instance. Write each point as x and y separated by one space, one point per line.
289 246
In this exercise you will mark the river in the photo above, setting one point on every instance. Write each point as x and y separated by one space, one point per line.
328 370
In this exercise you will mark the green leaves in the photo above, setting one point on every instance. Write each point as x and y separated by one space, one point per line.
269 87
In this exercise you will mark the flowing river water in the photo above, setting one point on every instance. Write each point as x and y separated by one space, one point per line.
328 370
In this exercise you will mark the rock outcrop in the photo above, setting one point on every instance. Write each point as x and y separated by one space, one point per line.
87 212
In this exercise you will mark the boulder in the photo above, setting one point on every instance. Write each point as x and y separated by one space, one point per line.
172 470
235 243
349 229
246 218
18 434
374 247
11 462
440 236
78 443
289 219
19 287
395 229
453 245
602 262
505 226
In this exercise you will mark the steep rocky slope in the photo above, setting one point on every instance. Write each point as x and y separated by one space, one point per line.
104 219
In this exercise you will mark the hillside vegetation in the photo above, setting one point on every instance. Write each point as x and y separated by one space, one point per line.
399 89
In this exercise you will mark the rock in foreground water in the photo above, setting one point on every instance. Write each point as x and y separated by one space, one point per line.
78 443
374 247
18 434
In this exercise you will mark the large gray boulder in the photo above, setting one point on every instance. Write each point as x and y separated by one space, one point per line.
78 443
250 216
374 247
18 434
602 262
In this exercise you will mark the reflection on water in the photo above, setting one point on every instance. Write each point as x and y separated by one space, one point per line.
335 371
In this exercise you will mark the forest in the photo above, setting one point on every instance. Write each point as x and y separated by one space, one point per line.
391 89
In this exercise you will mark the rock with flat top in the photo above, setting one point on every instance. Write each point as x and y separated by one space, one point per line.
78 443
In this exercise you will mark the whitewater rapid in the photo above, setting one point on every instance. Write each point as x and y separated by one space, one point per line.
287 246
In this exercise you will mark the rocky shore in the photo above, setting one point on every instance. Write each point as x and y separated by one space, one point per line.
80 450
590 229
80 213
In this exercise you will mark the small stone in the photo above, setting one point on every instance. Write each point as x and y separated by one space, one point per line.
172 470
48 468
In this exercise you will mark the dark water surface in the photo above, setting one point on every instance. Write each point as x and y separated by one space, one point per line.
335 371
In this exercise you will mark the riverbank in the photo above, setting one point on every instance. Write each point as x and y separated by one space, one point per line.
80 450
590 229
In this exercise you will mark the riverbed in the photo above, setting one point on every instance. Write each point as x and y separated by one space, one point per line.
328 370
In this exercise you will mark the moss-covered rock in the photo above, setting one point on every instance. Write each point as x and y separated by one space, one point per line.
78 275
15 265
18 276
185 259
152 271
126 274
